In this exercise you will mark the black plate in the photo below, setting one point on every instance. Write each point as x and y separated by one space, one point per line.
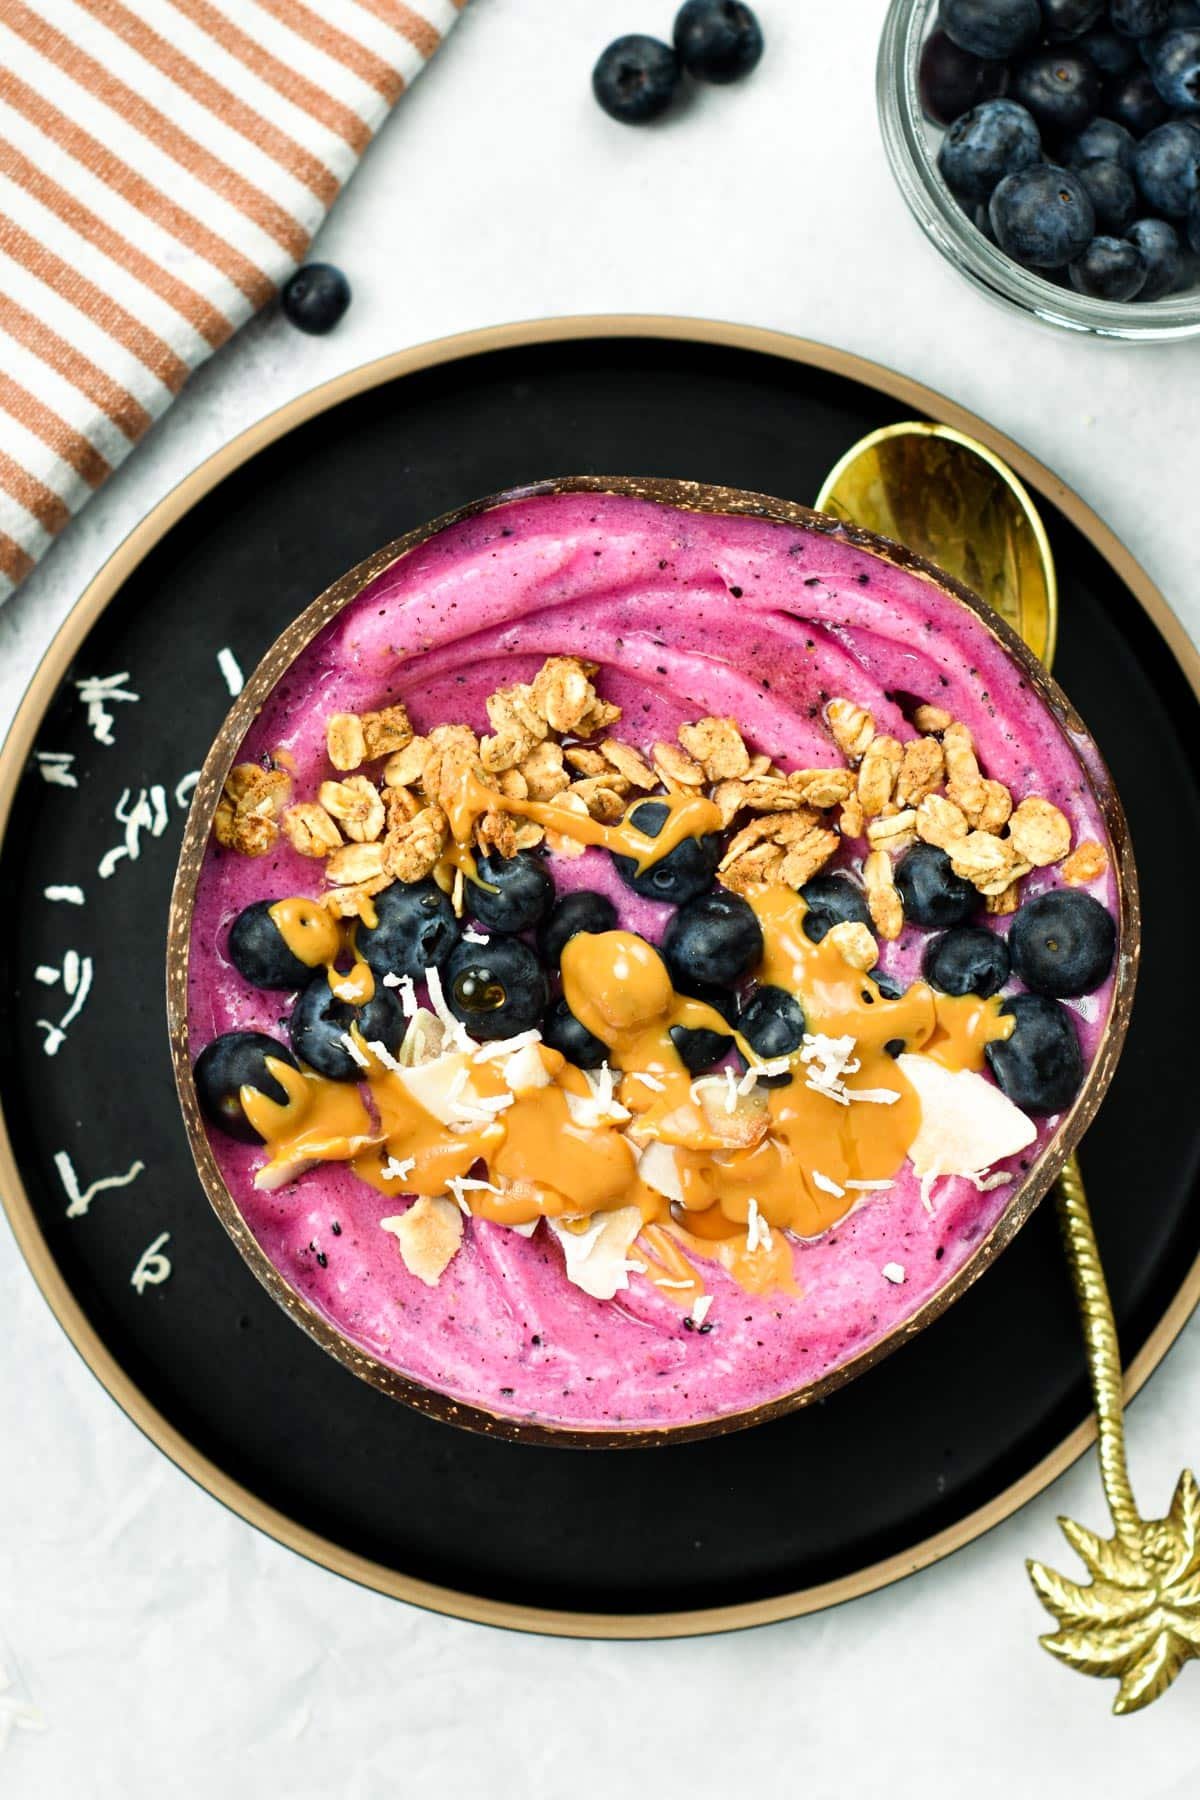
891 1471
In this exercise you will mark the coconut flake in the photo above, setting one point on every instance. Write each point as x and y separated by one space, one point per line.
826 1185
871 1187
651 1081
380 1050
700 1309
499 1047
758 1232
360 1056
399 1169
893 1272
475 937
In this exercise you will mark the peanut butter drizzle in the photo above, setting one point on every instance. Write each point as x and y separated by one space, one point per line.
762 1150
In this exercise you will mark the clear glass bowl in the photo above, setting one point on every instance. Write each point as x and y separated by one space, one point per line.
911 144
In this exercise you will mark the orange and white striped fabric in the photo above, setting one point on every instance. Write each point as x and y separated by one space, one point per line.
163 167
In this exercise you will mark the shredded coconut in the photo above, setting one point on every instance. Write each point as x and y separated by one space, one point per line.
456 1031
871 1187
758 1232
731 1091
700 1309
506 1046
893 1272
826 1185
876 1096
651 1081
360 1057
380 1050
399 1169
474 937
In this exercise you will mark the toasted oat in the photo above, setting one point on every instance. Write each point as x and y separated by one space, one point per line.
922 771
729 797
357 806
893 831
932 718
940 821
997 805
453 753
413 847
1006 901
356 902
807 852
561 842
406 766
757 868
851 822
855 943
964 783
1087 862
600 715
717 745
355 863
310 830
562 691
345 740
496 833
528 834
758 831
429 1235
675 766
386 731
545 777
988 863
762 765
1041 833
250 806
883 900
513 785
823 787
587 761
603 796
630 764
852 727
881 764
400 804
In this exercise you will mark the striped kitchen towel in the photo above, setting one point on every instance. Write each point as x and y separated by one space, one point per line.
163 167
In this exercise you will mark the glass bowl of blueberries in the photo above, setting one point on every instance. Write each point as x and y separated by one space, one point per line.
1051 150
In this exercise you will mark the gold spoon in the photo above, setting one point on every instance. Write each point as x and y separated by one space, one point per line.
950 499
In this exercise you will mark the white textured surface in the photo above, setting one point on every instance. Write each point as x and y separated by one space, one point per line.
171 1650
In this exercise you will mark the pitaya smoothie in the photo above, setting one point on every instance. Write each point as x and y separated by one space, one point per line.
686 613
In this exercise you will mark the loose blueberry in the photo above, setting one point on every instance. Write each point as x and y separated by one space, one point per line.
1167 164
716 940
722 999
580 911
981 219
1175 68
259 954
951 81
772 1022
563 1032
1113 194
1062 943
1112 54
1193 226
416 931
1060 87
496 989
1161 253
636 78
1133 101
889 988
231 1062
512 893
1110 268
698 1047
985 145
315 297
679 876
832 900
1043 217
717 40
321 1023
1101 140
930 890
1063 19
1138 18
991 28
1040 1067
968 960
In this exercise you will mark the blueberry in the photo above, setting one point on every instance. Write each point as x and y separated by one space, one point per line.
715 940
682 873
698 1047
1138 18
1110 268
991 28
722 999
951 81
981 219
1113 194
315 297
1159 245
772 1022
832 900
496 989
1062 943
320 1025
1060 87
1043 217
259 954
1193 227
1101 140
717 40
930 890
967 960
888 987
1175 68
1068 18
1040 1067
1112 54
580 911
986 144
1167 163
636 78
231 1062
1133 100
518 892
417 930
562 1031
